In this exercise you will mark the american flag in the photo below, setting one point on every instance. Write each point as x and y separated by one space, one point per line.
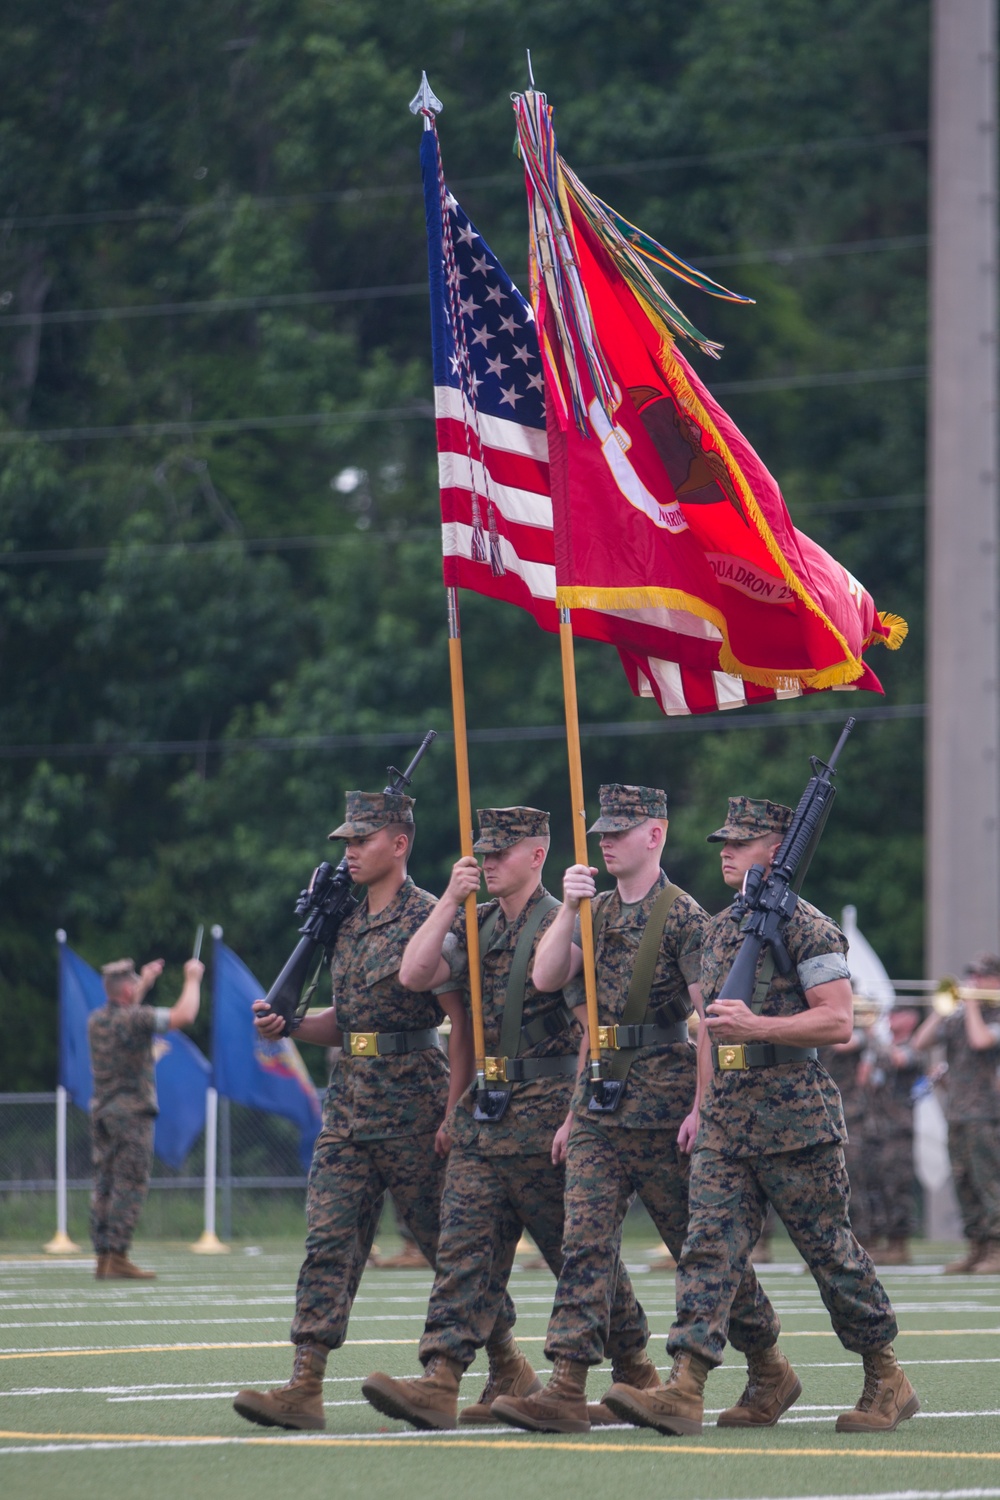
489 402
493 459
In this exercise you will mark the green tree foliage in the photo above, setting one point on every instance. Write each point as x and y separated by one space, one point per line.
155 590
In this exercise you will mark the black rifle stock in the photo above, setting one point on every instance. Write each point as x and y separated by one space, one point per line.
768 901
326 903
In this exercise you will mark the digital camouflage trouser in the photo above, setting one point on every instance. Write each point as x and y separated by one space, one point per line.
487 1201
605 1168
810 1192
123 1161
347 1183
894 1185
974 1148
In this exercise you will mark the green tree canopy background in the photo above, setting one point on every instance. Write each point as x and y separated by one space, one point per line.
212 215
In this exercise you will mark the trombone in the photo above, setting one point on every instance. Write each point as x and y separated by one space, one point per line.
949 995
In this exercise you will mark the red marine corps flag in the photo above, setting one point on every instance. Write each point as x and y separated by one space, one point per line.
665 519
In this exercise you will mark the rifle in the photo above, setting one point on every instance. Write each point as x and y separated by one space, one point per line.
326 903
765 906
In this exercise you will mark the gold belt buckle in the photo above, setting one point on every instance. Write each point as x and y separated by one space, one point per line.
607 1036
732 1058
495 1069
363 1043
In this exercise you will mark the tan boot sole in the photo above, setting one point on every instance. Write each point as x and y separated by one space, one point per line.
601 1415
384 1394
852 1421
507 1410
478 1416
742 1416
251 1406
622 1403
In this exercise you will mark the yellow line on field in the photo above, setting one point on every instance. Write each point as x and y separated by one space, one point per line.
524 1445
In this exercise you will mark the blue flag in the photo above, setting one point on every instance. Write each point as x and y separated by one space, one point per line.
182 1072
270 1076
81 990
183 1075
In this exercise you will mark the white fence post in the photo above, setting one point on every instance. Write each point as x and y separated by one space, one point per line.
209 1243
60 1243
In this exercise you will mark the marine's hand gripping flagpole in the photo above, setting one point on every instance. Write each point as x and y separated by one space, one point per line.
425 103
579 833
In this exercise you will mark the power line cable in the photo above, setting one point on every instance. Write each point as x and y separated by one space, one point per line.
241 544
707 723
507 179
211 306
223 425
214 306
54 555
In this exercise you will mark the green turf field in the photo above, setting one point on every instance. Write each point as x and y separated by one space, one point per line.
124 1389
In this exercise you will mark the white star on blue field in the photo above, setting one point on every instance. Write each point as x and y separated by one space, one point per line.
499 325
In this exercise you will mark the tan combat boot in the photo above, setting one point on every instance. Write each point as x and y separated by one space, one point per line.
510 1374
896 1253
560 1407
101 1268
969 1260
988 1263
675 1408
772 1385
120 1268
640 1373
409 1258
430 1401
888 1397
297 1405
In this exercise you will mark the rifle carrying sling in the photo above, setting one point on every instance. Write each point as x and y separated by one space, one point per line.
633 1030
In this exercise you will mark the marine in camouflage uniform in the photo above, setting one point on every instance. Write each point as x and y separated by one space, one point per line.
847 1066
895 1069
501 1178
771 1128
612 1157
388 1095
124 1107
971 1039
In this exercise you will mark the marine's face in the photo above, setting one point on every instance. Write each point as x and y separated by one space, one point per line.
509 870
625 852
738 855
371 856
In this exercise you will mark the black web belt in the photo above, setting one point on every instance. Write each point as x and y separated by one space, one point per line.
388 1043
737 1057
526 1069
617 1038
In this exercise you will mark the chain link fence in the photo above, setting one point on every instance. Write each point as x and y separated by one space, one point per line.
261 1181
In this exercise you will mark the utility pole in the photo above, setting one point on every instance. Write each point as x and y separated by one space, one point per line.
963 645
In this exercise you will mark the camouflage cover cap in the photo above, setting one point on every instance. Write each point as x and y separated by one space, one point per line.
367 812
750 818
122 968
502 827
984 966
627 806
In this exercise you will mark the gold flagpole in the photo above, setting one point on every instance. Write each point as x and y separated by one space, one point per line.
579 831
465 829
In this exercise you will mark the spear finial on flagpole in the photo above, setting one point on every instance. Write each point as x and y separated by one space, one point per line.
425 102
